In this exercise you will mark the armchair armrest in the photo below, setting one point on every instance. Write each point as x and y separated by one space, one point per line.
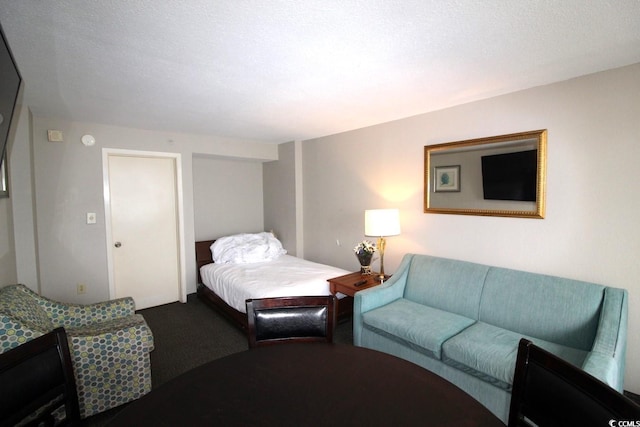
131 329
378 296
606 360
73 315
16 333
111 362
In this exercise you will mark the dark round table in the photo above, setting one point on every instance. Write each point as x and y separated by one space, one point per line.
307 385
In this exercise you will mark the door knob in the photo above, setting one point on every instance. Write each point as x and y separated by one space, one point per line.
118 244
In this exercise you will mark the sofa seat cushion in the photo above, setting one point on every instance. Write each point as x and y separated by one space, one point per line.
489 353
416 325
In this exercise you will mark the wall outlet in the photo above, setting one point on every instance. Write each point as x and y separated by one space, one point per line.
82 288
55 135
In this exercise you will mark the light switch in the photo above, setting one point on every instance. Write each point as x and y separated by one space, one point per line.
91 218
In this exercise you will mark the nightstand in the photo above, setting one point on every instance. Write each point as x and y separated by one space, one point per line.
346 284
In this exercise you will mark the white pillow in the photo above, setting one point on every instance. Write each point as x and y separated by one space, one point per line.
246 248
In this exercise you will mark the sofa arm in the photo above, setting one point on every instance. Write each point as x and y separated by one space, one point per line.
606 369
378 296
606 360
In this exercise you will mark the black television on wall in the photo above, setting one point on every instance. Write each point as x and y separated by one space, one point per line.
10 84
510 176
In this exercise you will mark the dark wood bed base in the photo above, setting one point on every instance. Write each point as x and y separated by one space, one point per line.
203 257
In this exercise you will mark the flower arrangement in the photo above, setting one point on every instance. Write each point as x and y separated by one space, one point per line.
365 247
364 252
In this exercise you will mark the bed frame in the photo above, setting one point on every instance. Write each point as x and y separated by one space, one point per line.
203 257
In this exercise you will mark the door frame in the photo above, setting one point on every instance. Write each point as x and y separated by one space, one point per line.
106 152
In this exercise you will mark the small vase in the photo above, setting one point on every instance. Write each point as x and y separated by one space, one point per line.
364 259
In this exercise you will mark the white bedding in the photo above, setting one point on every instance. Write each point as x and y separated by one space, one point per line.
284 276
246 248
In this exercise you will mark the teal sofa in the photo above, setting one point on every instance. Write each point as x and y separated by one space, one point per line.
463 321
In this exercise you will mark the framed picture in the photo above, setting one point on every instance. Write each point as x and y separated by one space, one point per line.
446 179
4 178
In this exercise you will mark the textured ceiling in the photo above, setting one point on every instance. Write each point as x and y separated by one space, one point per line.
277 70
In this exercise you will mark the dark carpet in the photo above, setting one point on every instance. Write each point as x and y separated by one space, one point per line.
189 335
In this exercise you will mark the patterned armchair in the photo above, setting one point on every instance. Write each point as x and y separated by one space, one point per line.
109 343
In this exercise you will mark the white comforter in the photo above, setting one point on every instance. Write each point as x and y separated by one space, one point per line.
285 276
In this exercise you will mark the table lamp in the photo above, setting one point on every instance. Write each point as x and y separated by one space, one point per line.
381 223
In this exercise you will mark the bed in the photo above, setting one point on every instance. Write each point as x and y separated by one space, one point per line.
225 286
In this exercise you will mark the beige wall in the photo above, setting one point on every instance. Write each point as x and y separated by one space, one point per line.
591 231
280 196
12 220
23 202
227 197
69 183
8 273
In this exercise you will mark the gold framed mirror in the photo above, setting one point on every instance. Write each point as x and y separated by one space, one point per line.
501 175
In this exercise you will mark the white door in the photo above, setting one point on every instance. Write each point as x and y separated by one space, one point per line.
142 211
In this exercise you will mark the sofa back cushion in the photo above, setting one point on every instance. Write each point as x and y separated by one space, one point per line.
554 309
446 284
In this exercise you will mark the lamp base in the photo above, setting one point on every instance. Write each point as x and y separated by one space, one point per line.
381 246
382 277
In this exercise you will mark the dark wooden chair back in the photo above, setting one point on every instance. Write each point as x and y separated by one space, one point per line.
36 381
291 319
548 391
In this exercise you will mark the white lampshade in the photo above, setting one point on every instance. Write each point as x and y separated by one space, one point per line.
381 222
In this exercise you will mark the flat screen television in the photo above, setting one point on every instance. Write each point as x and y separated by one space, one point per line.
10 81
510 176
